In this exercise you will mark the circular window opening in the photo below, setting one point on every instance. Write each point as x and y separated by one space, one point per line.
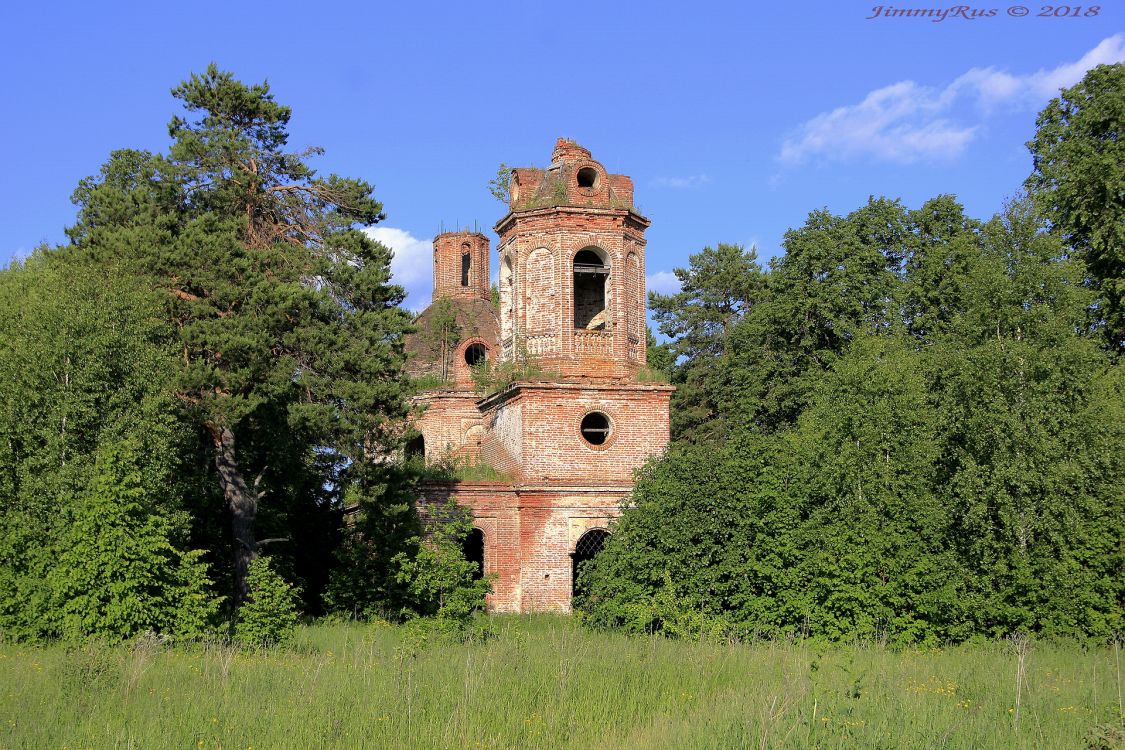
587 176
595 428
475 354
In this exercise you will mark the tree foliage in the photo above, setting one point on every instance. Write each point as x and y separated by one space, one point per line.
285 317
500 185
440 579
924 446
269 616
119 570
717 289
219 310
84 365
1079 182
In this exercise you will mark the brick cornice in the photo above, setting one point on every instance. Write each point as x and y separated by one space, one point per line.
633 218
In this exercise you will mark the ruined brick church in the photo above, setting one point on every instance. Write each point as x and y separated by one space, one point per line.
568 438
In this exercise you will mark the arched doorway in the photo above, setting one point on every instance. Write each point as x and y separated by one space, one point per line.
473 548
587 548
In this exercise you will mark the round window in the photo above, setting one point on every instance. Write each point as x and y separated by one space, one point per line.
596 428
475 354
587 176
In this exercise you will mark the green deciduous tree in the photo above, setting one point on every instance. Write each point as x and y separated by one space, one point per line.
120 568
85 363
1079 182
924 445
438 576
837 280
1028 454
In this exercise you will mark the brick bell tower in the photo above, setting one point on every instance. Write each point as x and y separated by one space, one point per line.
461 266
572 269
564 439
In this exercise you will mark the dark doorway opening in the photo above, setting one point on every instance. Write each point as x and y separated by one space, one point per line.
588 547
416 448
474 552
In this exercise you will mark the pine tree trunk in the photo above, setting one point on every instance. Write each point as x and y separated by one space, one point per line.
242 502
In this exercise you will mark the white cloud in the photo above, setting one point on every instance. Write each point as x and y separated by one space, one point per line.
908 122
1046 83
681 183
412 264
662 282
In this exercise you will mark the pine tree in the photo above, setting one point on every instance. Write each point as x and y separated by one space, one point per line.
284 311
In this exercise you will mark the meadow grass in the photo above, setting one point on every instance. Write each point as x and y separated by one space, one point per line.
544 682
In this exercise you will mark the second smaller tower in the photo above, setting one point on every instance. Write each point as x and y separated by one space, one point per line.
461 265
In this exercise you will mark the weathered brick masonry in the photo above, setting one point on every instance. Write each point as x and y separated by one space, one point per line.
572 300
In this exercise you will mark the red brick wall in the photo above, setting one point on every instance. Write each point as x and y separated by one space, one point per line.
451 425
529 535
448 249
537 307
538 426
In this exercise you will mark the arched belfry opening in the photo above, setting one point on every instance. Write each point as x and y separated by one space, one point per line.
466 263
507 298
591 280
473 547
588 547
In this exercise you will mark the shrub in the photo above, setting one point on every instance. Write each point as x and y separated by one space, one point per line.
269 617
438 576
119 573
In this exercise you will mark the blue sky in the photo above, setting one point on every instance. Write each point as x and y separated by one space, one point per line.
734 119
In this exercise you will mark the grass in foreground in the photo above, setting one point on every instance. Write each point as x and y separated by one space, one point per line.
545 683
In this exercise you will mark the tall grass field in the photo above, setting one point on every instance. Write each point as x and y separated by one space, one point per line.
544 682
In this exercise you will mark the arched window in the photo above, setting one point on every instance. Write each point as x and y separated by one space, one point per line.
466 265
588 547
591 276
473 548
507 298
